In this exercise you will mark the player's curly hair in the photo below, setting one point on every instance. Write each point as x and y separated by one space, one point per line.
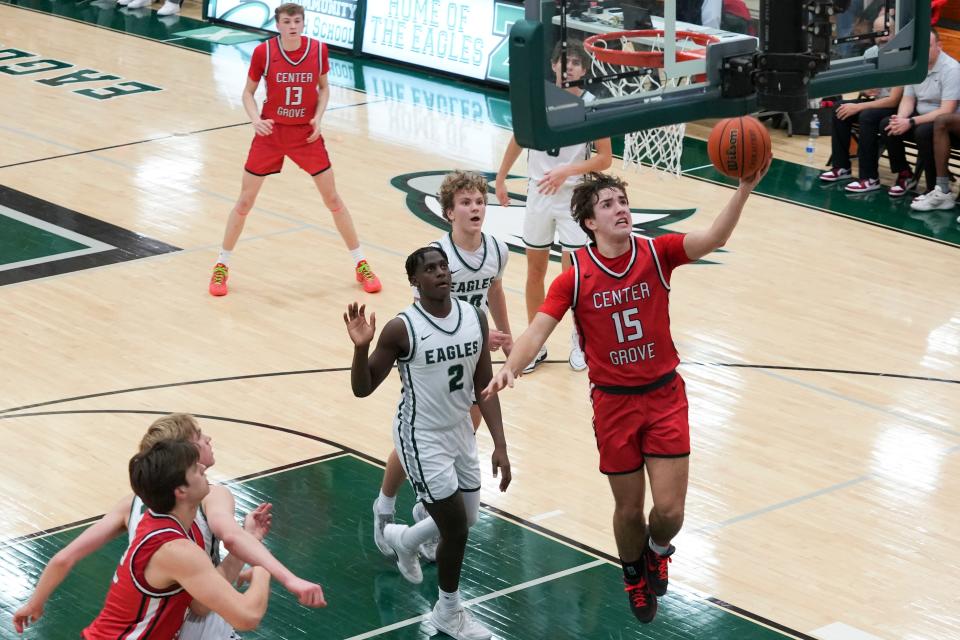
415 259
587 193
457 181
288 8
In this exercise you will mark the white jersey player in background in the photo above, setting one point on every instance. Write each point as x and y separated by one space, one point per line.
440 347
553 174
477 262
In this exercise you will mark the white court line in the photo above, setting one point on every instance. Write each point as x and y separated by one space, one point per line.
483 598
544 516
840 631
697 168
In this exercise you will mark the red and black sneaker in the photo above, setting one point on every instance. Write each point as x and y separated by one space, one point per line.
643 604
655 568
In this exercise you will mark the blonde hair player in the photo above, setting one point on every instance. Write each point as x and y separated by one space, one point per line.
215 519
294 69
553 174
477 264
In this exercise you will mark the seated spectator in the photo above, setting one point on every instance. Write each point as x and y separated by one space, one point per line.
868 113
946 134
938 94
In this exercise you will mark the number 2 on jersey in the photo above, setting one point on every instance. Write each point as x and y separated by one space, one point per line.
456 377
294 96
624 320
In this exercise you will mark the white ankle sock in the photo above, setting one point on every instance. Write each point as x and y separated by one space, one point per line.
356 254
657 548
386 504
449 601
419 533
224 257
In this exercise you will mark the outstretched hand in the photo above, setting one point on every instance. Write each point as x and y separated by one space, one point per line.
751 182
308 594
258 522
502 379
360 331
26 615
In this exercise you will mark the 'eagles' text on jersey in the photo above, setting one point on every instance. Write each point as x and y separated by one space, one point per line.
621 308
291 78
471 279
437 373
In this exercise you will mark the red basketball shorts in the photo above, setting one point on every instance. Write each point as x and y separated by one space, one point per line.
630 427
267 152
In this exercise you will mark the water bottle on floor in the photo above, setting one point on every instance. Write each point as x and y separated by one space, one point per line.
812 140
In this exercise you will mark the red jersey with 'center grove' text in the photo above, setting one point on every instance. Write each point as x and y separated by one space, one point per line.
134 608
291 78
621 309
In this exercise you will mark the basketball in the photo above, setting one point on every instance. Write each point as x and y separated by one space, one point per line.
739 147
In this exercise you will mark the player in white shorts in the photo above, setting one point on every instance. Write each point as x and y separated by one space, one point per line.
553 174
440 347
477 262
215 518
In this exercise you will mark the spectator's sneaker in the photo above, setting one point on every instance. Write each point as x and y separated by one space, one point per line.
836 175
863 186
578 362
428 550
905 182
218 281
541 356
655 568
459 624
123 3
643 603
169 9
366 277
138 4
407 561
936 199
380 520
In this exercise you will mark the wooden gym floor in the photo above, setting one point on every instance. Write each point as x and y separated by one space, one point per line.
821 352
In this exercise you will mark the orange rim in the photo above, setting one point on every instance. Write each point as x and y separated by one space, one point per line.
645 58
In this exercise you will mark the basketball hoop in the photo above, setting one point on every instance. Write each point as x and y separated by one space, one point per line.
624 70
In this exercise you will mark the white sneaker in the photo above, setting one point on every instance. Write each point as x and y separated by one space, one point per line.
459 624
578 362
428 550
138 4
380 520
935 199
407 561
169 9
123 3
541 356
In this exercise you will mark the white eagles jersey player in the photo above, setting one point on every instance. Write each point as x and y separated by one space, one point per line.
432 431
472 273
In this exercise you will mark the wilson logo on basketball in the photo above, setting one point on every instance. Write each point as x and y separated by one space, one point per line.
506 223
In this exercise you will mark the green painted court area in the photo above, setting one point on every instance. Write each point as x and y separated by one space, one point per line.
20 241
523 584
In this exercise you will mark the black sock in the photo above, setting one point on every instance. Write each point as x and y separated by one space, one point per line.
632 571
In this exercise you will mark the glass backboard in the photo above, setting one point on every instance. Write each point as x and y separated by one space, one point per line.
650 63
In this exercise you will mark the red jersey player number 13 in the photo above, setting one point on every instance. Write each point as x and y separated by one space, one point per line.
291 78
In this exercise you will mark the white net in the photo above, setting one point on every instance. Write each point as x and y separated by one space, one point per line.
660 147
